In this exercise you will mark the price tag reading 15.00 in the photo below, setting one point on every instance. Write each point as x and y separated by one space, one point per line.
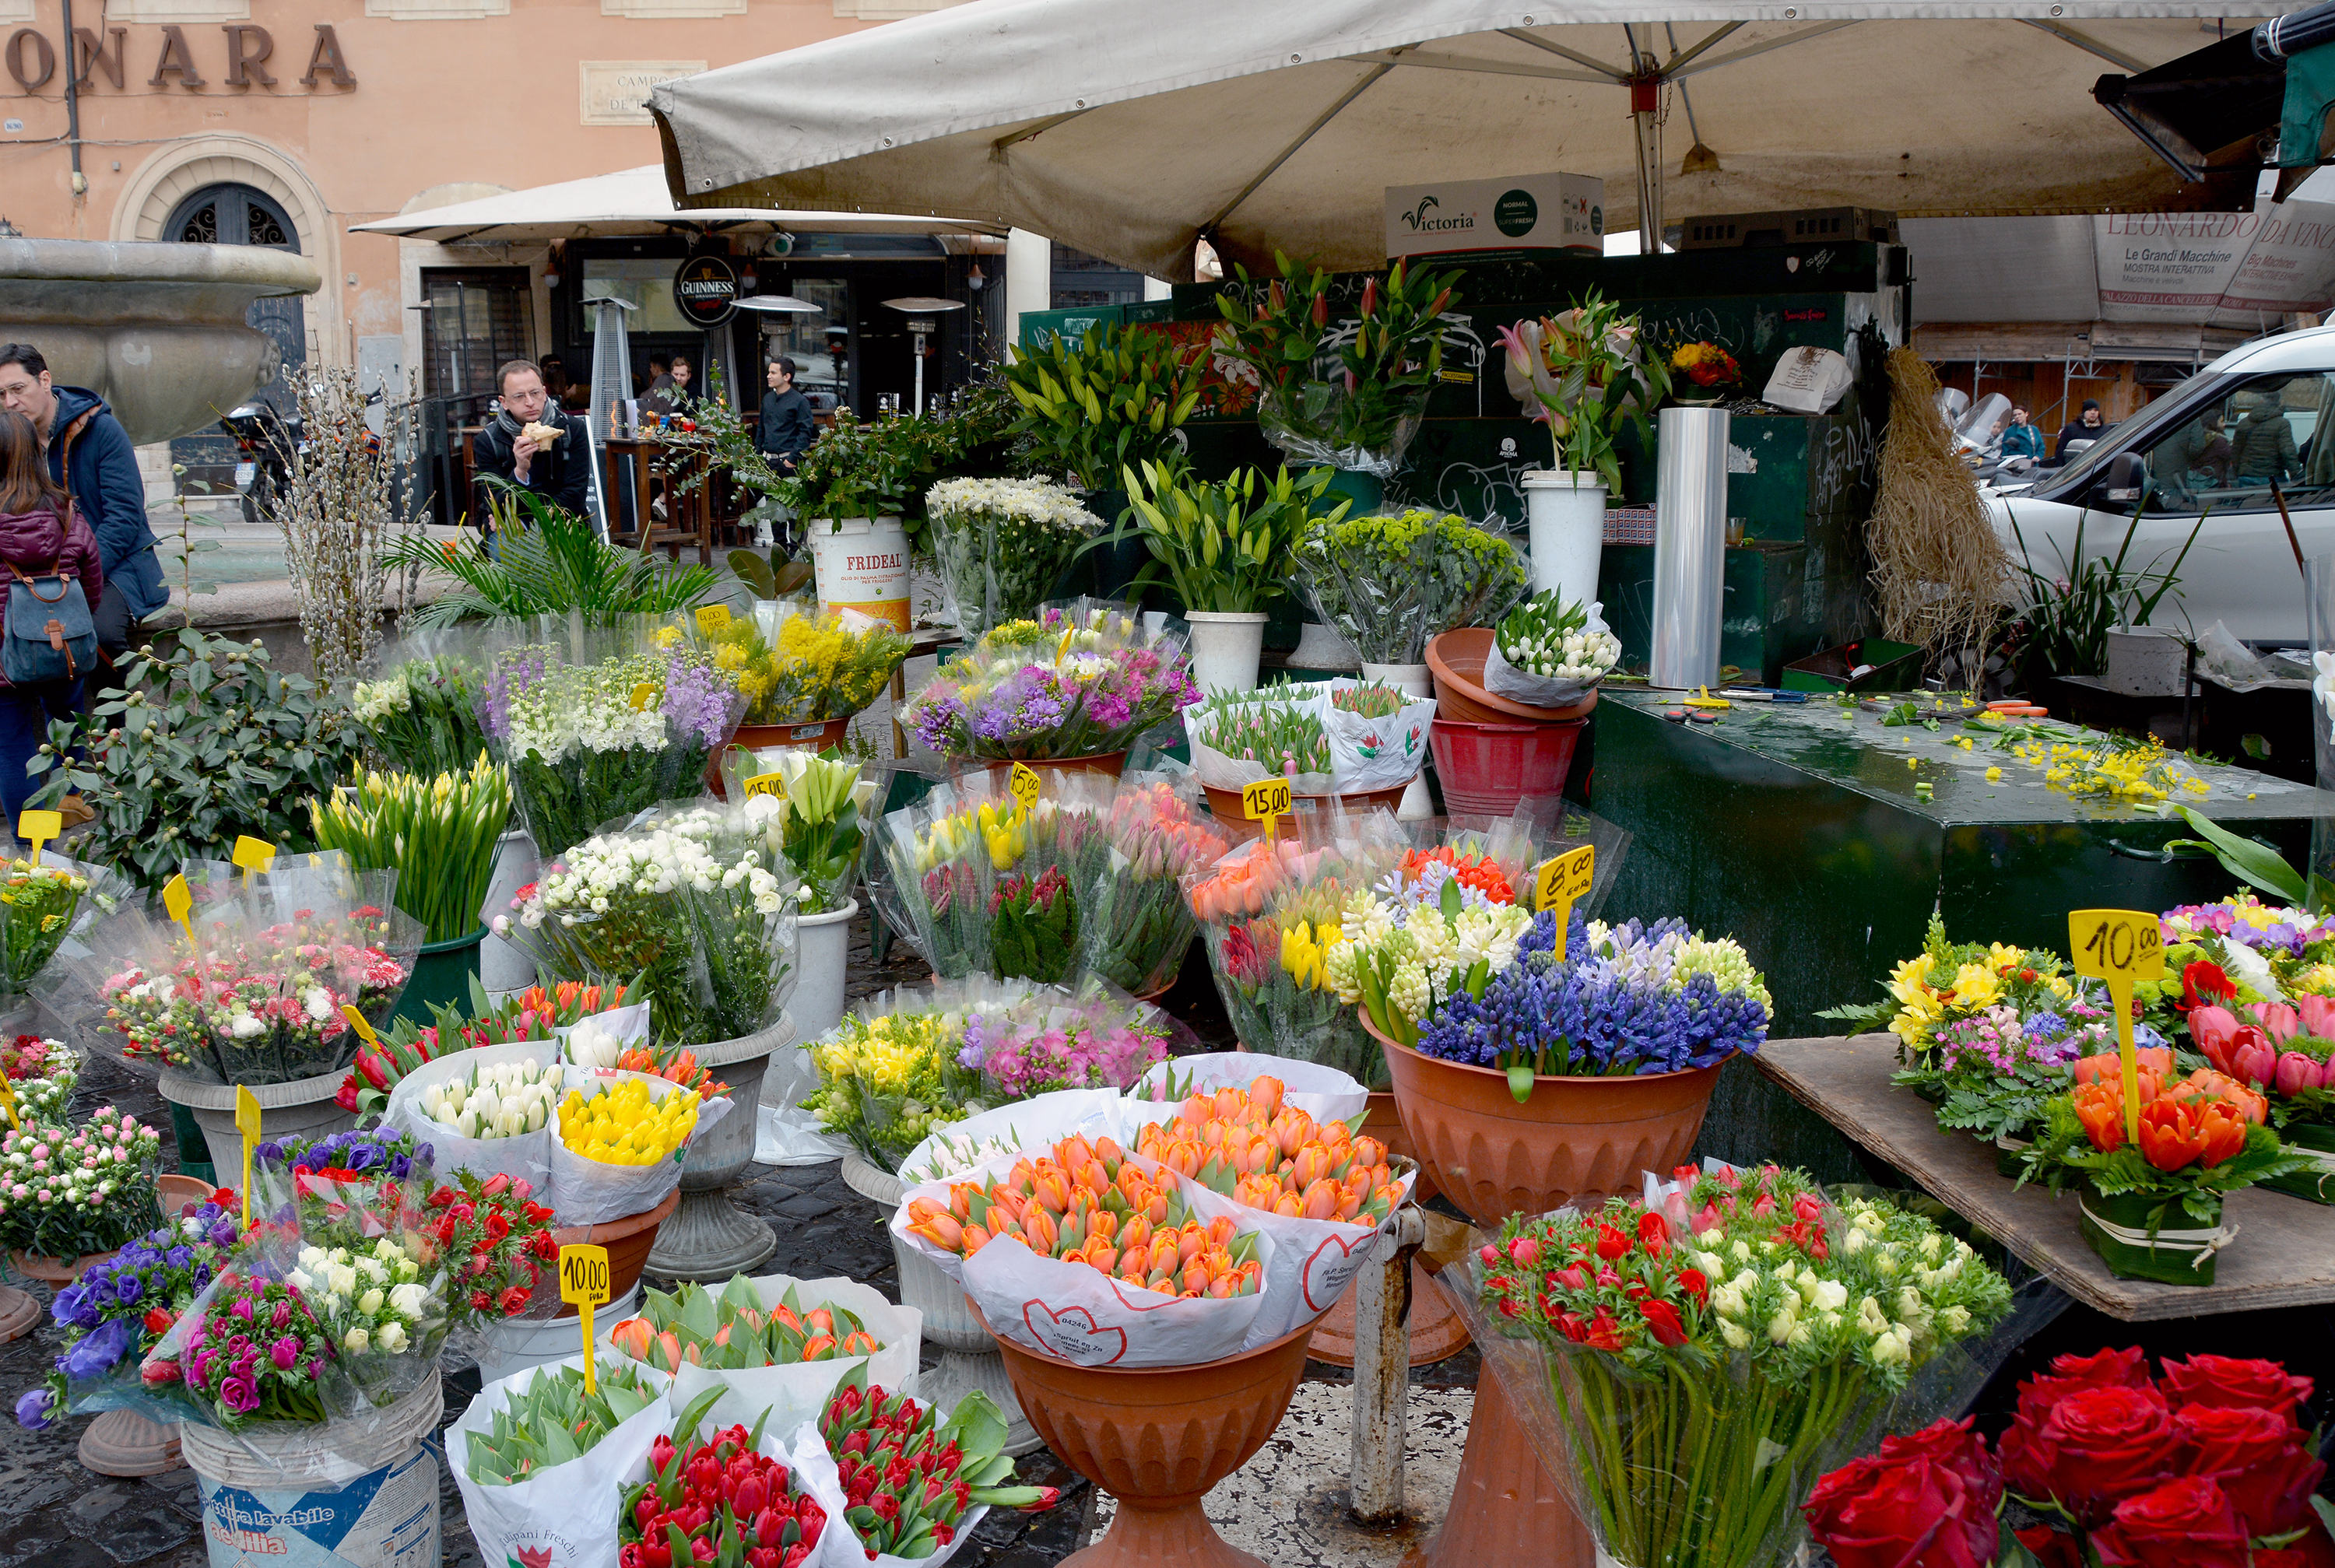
583 1284
2119 946
1559 881
1266 801
1023 782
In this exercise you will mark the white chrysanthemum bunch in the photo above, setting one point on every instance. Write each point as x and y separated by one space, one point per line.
1031 503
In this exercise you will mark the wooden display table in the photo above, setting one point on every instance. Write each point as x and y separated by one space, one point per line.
2283 1256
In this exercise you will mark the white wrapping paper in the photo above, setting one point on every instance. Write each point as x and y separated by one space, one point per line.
1323 1093
817 1473
565 1517
526 1157
1364 753
798 1393
589 1192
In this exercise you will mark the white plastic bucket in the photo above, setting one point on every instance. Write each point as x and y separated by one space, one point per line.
817 1002
1227 647
502 966
862 564
1567 527
282 1497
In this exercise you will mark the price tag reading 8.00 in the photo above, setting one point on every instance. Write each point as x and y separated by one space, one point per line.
712 619
2119 946
1559 881
584 1286
1266 801
1024 783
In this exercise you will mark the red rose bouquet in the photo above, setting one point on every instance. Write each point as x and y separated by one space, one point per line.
724 1502
496 1242
2203 1466
912 1484
1709 1357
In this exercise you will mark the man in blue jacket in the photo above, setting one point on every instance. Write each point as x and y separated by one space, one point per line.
90 456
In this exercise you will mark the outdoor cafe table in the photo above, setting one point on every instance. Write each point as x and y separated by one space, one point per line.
2283 1255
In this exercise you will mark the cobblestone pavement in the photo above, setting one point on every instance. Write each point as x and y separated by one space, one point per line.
60 1515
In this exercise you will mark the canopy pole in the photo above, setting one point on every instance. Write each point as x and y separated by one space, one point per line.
1645 104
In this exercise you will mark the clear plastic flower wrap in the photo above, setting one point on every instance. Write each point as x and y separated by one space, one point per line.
817 819
1137 925
1317 422
1687 1365
417 697
910 1062
1001 543
1270 912
1333 737
598 723
990 887
1547 653
796 665
255 995
1387 584
1080 679
690 900
44 901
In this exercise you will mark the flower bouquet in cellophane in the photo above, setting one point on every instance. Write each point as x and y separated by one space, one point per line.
1138 925
1081 680
1086 1254
1270 913
43 901
817 822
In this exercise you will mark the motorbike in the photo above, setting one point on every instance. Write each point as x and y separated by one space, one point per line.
265 442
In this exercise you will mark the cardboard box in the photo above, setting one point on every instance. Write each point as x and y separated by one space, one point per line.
1532 212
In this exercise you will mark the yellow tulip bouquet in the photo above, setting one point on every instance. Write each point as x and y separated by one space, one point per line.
440 835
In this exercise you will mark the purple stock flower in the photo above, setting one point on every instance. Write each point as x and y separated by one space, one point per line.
698 701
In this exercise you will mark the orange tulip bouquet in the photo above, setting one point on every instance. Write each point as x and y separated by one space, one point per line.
1095 1256
2151 1207
774 1344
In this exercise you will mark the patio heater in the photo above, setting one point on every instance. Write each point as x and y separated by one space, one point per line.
924 319
774 308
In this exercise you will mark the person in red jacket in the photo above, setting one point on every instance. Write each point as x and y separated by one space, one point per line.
40 531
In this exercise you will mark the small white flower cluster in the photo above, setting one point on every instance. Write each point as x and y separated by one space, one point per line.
373 700
369 1300
675 855
953 1154
44 1096
1559 641
1031 503
581 710
501 1100
1424 953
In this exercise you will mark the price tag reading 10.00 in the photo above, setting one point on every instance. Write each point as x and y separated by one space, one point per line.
1266 801
1023 782
1559 881
583 1284
2119 946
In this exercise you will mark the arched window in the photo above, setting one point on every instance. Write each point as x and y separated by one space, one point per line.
232 214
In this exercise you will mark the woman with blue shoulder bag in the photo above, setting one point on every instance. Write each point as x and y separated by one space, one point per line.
50 576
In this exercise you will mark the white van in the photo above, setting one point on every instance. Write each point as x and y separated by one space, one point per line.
2209 447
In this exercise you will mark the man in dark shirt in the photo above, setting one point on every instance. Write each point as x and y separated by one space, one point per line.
787 429
554 462
2090 425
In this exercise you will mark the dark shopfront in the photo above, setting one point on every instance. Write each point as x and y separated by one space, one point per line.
856 353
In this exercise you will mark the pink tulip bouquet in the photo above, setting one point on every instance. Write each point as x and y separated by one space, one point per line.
2286 1050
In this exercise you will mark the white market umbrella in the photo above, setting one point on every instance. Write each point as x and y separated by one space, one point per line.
1131 129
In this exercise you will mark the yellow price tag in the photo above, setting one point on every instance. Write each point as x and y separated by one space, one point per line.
1024 783
1560 880
1266 801
254 854
37 828
179 901
246 1122
712 618
2119 946
766 784
583 1284
358 1022
643 694
8 1100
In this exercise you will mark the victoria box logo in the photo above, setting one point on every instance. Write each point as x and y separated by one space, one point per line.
1422 224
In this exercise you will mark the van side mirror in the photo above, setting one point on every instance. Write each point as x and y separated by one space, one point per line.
2122 483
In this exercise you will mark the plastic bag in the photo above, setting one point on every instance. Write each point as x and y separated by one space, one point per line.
1082 678
525 1156
1304 417
562 1515
1390 584
2228 661
797 1392
1365 751
1504 679
48 902
585 1191
1134 925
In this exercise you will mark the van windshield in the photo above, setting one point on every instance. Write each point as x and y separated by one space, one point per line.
2141 431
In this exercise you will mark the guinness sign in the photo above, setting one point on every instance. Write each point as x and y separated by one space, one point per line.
705 290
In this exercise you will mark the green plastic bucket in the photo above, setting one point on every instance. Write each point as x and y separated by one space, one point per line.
442 973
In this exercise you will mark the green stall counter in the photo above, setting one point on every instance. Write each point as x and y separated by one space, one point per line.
1801 832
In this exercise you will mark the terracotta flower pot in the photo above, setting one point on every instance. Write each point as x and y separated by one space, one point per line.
55 1271
1458 659
1224 805
1157 1439
1576 1139
174 1191
1108 763
816 736
628 1241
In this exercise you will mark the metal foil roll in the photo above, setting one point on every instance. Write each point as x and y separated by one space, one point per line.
1689 546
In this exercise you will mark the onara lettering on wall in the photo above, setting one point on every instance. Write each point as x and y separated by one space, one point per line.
888 562
245 58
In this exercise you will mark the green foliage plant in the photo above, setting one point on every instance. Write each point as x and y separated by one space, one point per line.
547 562
1389 584
2068 619
1222 546
1589 375
1094 406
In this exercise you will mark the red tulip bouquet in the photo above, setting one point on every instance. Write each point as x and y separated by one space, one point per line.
728 1502
914 1485
2205 1465
2152 1208
534 1013
2286 1052
1707 1358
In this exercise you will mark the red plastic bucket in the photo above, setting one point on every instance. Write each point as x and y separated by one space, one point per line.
1487 768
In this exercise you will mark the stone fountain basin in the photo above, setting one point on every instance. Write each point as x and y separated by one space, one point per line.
156 329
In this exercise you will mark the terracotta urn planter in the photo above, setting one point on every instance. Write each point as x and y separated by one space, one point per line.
628 1241
55 1271
1156 1438
815 736
174 1191
1108 763
1575 1138
1458 659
